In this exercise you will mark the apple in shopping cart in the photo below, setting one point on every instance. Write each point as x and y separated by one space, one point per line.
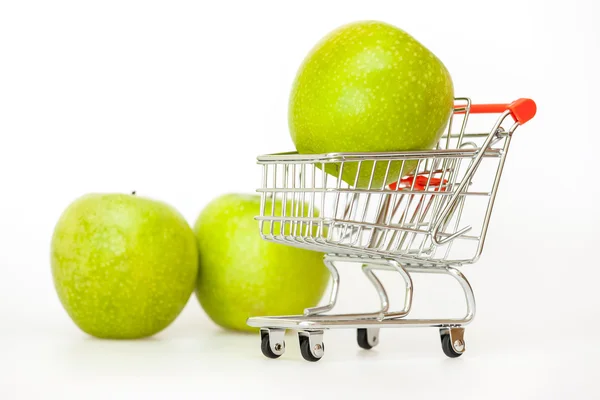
369 86
241 275
124 266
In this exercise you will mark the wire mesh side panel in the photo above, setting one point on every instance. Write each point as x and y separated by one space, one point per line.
384 204
294 209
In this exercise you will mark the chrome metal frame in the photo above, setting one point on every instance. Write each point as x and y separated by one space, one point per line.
382 318
411 227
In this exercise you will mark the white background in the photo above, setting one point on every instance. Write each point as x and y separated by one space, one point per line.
175 100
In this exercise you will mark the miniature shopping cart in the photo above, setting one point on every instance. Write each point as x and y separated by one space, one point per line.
409 212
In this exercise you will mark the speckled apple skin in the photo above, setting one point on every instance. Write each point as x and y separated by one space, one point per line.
241 275
123 266
368 87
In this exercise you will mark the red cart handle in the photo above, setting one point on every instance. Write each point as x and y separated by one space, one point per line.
521 110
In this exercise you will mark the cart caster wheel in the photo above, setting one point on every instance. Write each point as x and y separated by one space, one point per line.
276 336
367 338
311 346
453 343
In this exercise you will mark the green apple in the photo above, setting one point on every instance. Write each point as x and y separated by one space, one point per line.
369 87
242 275
124 266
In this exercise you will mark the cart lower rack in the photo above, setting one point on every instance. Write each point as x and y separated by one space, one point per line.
408 212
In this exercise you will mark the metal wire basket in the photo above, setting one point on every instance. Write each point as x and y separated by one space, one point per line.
418 211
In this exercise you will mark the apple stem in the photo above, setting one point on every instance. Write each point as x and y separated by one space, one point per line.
133 193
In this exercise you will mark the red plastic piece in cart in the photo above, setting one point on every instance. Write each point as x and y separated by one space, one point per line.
420 183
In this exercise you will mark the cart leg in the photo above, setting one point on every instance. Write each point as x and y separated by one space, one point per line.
383 297
408 294
385 264
335 278
464 284
468 291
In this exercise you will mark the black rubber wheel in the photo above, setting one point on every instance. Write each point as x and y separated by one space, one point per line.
265 346
305 349
363 339
447 347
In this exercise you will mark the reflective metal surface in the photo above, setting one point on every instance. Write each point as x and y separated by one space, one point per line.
418 221
380 318
410 212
